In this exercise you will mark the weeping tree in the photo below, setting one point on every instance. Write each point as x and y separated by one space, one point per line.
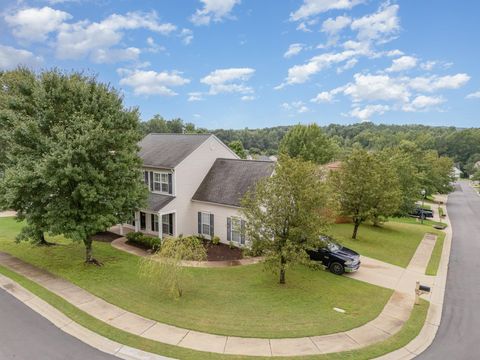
286 213
83 147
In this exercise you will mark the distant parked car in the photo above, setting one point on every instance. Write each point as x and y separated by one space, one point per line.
426 213
337 258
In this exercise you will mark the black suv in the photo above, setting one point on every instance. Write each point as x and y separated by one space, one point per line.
421 213
335 257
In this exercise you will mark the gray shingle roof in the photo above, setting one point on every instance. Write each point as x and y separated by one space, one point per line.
229 179
168 150
155 202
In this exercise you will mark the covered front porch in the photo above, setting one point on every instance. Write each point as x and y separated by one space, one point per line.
159 224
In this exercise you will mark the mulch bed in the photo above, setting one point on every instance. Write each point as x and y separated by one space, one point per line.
106 236
221 252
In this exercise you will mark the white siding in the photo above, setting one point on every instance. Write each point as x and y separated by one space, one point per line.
189 174
221 213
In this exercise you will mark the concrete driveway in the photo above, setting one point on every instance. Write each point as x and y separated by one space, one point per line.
26 335
459 332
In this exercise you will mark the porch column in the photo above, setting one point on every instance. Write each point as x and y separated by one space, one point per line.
137 221
160 225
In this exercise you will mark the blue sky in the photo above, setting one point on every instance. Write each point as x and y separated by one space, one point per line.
251 63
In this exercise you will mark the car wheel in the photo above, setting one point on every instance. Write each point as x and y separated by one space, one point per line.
336 268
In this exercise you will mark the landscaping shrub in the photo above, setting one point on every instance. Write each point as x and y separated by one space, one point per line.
441 212
215 240
257 248
145 241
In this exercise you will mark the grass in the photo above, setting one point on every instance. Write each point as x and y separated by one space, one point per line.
237 301
409 331
394 242
434 262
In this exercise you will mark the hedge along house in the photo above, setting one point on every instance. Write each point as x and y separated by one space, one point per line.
196 183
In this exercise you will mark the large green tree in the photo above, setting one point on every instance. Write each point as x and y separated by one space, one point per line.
365 187
285 213
309 143
237 147
84 162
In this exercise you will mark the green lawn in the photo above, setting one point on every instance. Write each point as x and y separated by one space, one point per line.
394 242
409 331
240 301
434 262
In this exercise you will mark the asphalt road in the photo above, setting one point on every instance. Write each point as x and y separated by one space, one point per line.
459 334
25 335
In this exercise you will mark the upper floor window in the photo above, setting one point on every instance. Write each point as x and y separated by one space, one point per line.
160 182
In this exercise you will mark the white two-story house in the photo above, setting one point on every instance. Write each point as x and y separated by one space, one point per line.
196 183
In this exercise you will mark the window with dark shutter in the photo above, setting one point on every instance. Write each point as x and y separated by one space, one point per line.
199 222
145 177
242 233
170 184
229 229
151 180
211 225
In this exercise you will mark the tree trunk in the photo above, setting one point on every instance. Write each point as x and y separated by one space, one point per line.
41 240
282 270
355 229
89 259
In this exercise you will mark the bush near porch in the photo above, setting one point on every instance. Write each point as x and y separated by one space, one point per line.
237 301
144 241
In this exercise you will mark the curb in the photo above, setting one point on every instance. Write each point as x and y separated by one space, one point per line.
434 315
72 328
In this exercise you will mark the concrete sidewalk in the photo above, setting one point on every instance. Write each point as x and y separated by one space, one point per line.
389 322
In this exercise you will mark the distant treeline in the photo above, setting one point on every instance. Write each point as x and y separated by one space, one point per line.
462 145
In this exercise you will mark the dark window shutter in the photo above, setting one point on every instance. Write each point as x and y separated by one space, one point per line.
242 232
151 180
152 221
170 185
170 224
199 222
229 229
211 225
145 176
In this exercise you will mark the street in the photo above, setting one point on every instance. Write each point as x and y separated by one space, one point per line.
459 332
25 335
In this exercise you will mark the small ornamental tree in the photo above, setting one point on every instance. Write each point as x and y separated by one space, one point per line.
165 268
285 213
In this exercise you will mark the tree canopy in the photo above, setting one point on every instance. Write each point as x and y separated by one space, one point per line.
74 167
309 143
286 213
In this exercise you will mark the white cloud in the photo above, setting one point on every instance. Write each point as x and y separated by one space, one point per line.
364 114
298 107
376 87
435 83
83 38
422 102
11 57
247 98
34 24
378 27
428 65
474 95
348 65
314 7
103 56
403 63
299 74
195 96
151 82
213 10
229 80
395 52
333 26
293 49
324 96
186 35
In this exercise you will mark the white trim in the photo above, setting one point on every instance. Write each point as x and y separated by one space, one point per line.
218 204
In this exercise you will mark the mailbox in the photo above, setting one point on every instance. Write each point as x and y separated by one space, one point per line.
424 288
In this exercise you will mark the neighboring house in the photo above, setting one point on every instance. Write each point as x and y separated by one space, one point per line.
196 183
456 172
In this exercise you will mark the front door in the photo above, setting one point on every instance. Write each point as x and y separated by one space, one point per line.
143 221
